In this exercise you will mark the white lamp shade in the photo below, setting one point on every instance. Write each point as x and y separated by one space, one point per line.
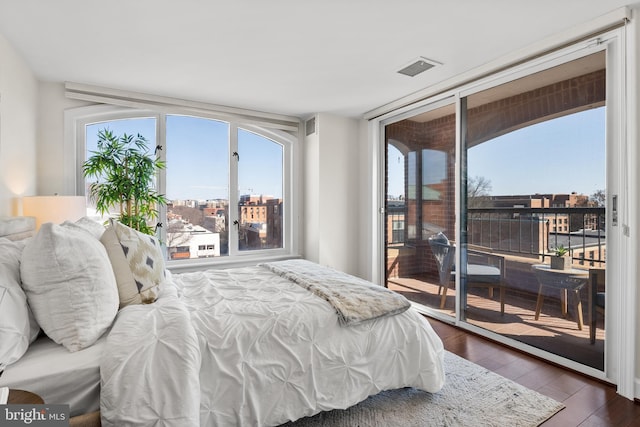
56 209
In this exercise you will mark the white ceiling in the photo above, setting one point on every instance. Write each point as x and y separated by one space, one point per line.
294 57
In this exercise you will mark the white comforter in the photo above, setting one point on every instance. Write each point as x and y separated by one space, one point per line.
245 347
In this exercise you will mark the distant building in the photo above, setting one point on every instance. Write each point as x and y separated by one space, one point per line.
531 234
260 222
260 225
253 235
395 221
253 208
215 219
187 241
274 223
559 222
539 233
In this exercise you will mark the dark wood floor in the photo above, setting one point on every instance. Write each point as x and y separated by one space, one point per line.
588 402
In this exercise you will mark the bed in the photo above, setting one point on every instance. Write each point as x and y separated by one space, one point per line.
251 346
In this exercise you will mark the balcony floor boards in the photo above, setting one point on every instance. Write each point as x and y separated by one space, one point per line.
551 332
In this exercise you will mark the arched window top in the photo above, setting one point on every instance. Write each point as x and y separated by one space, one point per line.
215 167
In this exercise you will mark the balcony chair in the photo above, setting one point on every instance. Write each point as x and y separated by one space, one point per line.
490 274
596 299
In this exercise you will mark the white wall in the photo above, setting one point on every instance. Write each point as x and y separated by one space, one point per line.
51 140
369 251
332 193
18 115
633 134
311 204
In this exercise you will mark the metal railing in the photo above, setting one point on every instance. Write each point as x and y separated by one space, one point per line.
537 231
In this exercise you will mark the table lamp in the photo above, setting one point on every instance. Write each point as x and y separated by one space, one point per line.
56 209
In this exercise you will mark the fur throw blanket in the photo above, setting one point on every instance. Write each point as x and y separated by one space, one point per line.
355 300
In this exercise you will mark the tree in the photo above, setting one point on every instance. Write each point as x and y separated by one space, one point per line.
125 173
176 234
478 191
599 198
193 216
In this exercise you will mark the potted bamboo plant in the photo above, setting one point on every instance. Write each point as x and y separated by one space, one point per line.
560 260
125 171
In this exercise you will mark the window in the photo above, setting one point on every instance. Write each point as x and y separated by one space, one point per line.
225 182
197 182
260 185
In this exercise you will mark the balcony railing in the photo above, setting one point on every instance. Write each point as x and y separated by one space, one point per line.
532 232
537 231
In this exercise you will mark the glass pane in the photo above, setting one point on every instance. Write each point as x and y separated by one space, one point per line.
535 158
260 202
197 187
420 204
143 126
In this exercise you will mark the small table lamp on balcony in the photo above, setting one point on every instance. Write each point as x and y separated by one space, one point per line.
56 209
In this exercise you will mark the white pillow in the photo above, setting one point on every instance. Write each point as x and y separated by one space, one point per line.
94 227
16 324
70 285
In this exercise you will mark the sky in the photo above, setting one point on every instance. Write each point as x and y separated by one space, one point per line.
558 156
197 153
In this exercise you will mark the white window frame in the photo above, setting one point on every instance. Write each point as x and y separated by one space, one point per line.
77 119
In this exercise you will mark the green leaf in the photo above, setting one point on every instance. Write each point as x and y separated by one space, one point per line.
125 174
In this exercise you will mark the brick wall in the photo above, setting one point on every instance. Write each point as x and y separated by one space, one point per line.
484 123
500 117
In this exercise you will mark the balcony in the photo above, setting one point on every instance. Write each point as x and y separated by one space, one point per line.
536 231
524 237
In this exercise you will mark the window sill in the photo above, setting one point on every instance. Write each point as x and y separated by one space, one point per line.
186 266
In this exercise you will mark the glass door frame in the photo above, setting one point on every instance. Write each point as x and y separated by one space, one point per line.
434 104
620 314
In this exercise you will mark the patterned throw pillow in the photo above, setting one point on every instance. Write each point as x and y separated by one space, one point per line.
128 292
146 263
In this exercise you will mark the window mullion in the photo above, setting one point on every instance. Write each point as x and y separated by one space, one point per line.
161 140
234 192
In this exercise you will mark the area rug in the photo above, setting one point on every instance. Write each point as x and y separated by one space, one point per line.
472 396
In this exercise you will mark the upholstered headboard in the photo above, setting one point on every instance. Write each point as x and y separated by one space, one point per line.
18 227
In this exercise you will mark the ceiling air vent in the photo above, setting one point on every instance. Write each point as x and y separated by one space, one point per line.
418 66
310 126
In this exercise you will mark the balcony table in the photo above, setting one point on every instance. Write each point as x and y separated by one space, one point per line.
572 279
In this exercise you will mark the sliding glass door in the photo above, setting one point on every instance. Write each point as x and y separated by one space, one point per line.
420 204
486 190
534 161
